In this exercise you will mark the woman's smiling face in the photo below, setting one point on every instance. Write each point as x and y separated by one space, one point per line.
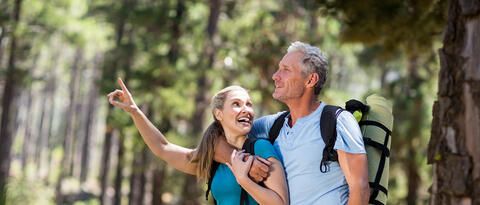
237 114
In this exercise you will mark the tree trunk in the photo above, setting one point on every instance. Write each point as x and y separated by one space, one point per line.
69 127
7 99
138 178
26 147
415 99
79 121
2 36
159 174
190 188
52 90
91 109
176 33
105 162
41 136
455 139
117 186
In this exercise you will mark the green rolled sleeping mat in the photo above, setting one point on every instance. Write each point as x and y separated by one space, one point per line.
376 124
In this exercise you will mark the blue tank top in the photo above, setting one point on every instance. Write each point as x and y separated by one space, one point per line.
225 188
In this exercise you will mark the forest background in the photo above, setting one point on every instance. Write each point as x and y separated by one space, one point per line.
61 143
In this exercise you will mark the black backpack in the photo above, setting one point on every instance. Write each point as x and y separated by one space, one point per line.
328 121
249 147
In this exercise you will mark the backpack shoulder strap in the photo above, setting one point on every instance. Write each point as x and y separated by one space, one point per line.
213 169
276 127
328 130
249 147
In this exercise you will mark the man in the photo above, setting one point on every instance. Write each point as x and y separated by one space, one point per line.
298 81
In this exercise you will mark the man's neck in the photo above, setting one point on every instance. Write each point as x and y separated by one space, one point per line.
301 108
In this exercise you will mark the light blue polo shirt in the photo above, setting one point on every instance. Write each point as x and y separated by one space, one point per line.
301 148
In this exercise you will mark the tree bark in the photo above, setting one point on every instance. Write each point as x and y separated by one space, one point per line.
190 188
91 109
26 147
69 127
41 137
158 181
138 178
52 90
105 163
455 139
117 186
416 99
7 99
2 36
176 32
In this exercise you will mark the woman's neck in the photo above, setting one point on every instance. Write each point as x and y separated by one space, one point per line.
236 141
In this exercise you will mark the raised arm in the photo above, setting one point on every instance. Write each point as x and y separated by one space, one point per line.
275 192
176 156
355 168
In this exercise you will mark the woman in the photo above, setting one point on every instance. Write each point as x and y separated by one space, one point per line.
233 117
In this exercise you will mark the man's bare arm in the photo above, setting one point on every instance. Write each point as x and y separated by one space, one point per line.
355 169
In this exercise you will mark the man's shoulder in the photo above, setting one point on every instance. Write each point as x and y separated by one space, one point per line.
262 125
268 119
347 118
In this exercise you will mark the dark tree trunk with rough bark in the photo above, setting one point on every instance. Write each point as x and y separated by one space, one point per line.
455 137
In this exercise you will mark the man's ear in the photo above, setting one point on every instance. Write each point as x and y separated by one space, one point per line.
312 80
218 114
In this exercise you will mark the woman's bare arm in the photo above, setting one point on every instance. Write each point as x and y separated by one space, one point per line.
175 155
275 192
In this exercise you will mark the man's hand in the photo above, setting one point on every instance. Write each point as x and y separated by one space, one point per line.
260 169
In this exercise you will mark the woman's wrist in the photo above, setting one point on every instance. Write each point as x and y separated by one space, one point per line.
134 111
243 180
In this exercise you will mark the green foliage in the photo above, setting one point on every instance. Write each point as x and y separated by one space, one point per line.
371 46
394 24
24 191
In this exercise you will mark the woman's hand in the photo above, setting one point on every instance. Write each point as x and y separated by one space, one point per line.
122 98
240 167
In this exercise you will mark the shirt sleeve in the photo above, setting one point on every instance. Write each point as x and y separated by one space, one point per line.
264 149
261 126
349 136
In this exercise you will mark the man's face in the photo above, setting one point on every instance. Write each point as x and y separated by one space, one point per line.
289 80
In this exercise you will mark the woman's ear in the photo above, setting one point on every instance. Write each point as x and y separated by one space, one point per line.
312 80
218 114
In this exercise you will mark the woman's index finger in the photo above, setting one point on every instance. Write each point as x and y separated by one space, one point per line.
122 85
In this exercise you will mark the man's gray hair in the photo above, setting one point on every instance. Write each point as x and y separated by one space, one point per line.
314 60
